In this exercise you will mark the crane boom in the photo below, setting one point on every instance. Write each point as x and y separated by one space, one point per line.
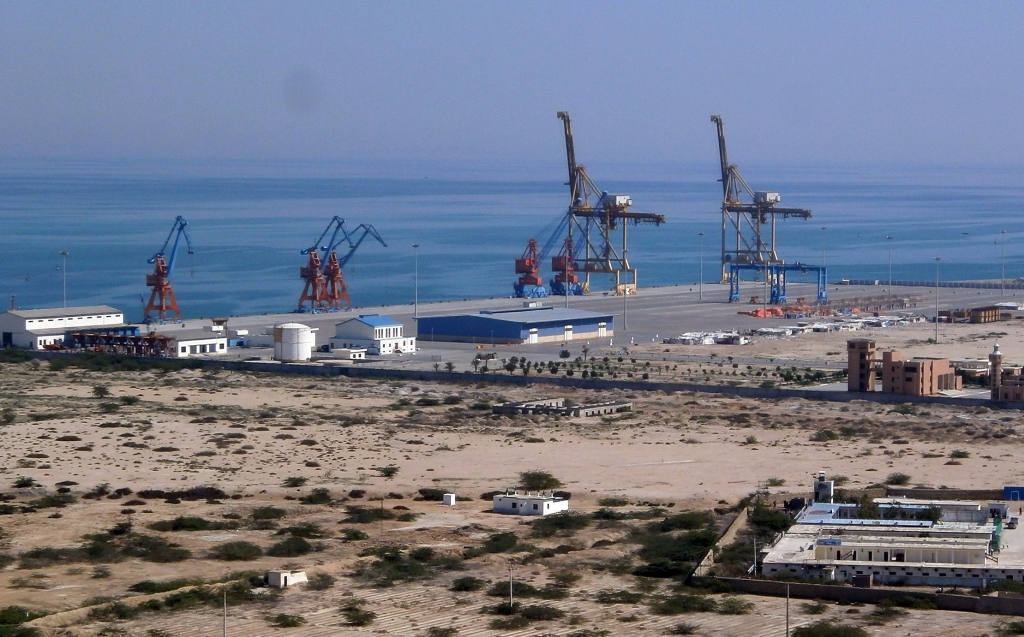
325 287
162 299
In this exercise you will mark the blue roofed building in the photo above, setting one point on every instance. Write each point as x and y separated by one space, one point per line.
376 333
520 325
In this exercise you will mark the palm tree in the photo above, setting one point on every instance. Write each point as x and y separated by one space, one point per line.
476 364
449 367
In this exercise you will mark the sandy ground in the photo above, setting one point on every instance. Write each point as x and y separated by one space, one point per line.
246 433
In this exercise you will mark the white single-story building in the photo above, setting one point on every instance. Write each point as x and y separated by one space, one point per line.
283 579
376 333
197 343
349 354
36 329
516 503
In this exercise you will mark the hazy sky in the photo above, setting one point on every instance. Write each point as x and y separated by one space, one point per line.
922 82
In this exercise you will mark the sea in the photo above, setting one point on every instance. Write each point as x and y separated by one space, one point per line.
250 220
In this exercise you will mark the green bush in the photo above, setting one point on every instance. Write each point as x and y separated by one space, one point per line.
897 479
319 495
110 612
466 584
191 523
538 481
353 534
824 435
565 523
829 628
735 606
500 543
437 631
814 608
308 530
236 551
682 603
514 622
618 597
366 515
295 481
613 502
688 521
149 586
290 547
684 628
359 616
320 582
287 621
268 513
541 612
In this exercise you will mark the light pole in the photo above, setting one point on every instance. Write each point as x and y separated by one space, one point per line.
937 259
416 284
701 283
1002 261
888 244
64 275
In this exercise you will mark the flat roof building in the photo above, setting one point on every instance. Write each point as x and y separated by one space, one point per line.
519 326
516 503
37 329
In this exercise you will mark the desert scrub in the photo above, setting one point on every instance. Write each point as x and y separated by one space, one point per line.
236 551
320 582
319 495
564 524
524 590
268 513
467 584
613 502
618 597
538 481
829 628
731 605
290 547
191 523
683 603
287 621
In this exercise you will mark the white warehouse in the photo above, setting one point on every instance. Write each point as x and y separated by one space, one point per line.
36 329
376 333
516 503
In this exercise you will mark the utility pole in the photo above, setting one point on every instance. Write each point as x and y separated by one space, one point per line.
224 625
1002 261
510 584
787 609
937 259
64 275
888 244
701 282
416 285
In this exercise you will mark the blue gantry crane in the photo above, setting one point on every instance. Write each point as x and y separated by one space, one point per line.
325 288
162 300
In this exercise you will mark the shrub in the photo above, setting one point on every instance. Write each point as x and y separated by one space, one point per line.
149 587
366 515
829 628
320 582
565 523
500 542
358 616
308 530
437 631
613 502
466 584
684 628
538 481
897 479
291 547
735 606
353 534
618 597
295 481
509 623
267 513
431 494
541 612
116 610
149 548
236 551
823 435
319 495
191 523
287 621
688 520
24 482
959 454
389 471
681 603
814 608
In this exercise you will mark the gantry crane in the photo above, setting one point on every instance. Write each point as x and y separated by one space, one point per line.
594 216
325 288
744 244
162 300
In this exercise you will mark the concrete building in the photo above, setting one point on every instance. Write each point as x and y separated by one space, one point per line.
914 542
911 377
284 579
517 326
36 329
516 503
192 343
558 406
376 333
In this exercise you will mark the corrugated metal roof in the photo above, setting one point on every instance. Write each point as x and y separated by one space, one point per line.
539 315
375 320
60 312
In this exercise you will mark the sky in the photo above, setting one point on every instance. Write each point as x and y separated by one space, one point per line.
796 82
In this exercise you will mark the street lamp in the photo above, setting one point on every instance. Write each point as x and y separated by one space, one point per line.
64 275
888 245
937 259
1002 261
416 284
701 284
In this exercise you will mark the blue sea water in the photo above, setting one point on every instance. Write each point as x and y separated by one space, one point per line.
250 220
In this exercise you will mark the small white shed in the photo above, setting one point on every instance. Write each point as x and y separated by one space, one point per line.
516 503
448 499
283 579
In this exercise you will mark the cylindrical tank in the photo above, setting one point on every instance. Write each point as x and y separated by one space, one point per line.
293 342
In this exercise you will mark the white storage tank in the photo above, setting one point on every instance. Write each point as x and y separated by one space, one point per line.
293 342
